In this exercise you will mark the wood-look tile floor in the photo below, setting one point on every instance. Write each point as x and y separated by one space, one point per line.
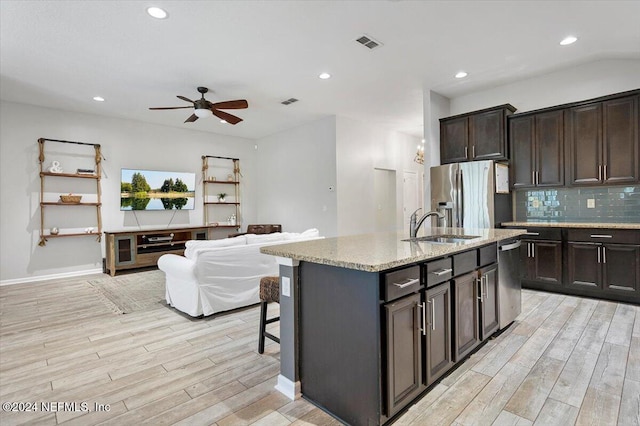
565 361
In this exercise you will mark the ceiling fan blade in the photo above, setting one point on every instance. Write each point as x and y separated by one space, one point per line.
191 119
231 119
237 104
185 99
171 107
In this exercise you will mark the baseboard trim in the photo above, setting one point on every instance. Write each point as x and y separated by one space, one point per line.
50 277
288 388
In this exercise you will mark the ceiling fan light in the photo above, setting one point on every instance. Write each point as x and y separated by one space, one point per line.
202 113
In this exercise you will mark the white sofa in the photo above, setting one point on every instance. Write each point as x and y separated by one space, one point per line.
219 275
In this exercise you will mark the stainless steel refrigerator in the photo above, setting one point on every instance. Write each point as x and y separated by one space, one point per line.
466 192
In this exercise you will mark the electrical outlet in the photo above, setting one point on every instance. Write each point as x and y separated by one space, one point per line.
535 203
286 286
591 203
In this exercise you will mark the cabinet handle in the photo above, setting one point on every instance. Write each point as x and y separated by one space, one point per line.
528 249
433 315
473 151
604 173
533 177
604 255
423 308
537 178
533 249
479 281
601 236
599 171
598 248
465 152
442 272
531 233
486 285
408 283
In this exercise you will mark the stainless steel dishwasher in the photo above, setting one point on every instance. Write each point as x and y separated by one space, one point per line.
509 284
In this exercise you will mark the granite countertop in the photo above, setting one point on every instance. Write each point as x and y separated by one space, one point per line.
576 225
380 251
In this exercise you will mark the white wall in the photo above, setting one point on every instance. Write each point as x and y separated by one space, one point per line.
362 147
573 84
124 143
435 107
295 169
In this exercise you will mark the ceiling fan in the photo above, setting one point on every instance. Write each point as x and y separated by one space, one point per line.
203 108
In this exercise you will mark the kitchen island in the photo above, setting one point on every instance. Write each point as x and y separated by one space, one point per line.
369 322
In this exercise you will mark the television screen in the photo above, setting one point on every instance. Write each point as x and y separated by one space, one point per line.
156 190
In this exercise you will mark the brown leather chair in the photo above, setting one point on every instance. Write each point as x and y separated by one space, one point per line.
259 229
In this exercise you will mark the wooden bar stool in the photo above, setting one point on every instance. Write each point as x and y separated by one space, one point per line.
269 292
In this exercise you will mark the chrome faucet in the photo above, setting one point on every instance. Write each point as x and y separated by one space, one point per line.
415 223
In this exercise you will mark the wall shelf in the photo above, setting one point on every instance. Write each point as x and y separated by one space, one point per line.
44 175
216 213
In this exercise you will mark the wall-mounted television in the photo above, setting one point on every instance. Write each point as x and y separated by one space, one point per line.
156 190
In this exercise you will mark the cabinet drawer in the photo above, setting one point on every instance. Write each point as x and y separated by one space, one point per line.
624 236
487 255
401 282
438 271
543 234
465 262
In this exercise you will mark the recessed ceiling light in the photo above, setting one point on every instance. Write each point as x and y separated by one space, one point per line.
156 12
568 40
461 74
98 98
324 75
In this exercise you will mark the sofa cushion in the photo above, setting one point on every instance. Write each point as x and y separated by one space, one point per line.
193 246
264 238
309 233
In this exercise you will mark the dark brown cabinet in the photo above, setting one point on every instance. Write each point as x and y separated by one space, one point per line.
404 354
489 308
602 144
541 262
438 346
604 263
537 147
478 135
467 317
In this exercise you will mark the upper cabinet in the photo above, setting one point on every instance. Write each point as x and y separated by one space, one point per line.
479 135
602 142
537 147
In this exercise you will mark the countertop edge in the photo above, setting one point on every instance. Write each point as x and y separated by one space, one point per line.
584 225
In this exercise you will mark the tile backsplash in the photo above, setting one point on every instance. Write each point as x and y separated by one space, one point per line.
595 204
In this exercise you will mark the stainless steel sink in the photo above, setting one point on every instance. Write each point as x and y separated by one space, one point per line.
443 238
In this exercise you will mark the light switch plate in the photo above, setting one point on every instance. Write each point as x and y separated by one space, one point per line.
591 203
286 286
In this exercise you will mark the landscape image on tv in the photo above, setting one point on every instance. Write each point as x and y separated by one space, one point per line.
156 190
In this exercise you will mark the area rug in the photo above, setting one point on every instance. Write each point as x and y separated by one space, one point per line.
134 292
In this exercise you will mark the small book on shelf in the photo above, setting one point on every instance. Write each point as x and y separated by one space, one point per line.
86 172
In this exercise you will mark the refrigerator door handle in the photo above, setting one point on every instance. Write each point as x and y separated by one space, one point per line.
461 200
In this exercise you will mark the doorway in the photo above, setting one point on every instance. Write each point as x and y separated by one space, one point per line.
384 188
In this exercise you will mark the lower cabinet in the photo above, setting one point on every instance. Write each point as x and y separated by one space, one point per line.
404 356
608 269
438 353
467 316
489 301
541 262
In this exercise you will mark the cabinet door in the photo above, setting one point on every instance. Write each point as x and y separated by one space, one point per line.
125 250
583 265
620 133
585 144
404 352
547 261
522 152
438 339
549 142
486 136
466 335
489 308
621 269
454 138
526 263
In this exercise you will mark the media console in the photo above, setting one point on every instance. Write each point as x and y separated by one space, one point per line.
143 248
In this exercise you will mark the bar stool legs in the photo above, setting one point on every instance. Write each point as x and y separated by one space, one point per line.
269 292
